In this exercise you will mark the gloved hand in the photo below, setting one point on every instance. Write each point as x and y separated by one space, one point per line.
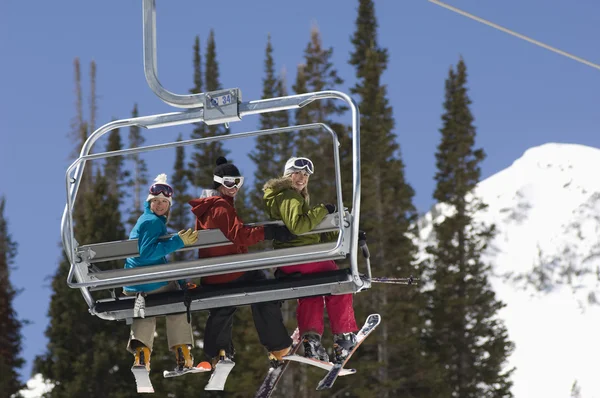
362 236
190 285
278 232
330 208
184 284
188 237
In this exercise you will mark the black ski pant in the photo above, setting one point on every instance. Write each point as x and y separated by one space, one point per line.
268 321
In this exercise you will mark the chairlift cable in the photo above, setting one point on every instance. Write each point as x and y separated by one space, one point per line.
518 35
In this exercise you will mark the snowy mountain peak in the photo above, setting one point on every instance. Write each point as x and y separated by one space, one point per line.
547 210
546 207
546 258
552 171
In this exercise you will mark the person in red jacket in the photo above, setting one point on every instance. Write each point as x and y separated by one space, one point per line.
215 210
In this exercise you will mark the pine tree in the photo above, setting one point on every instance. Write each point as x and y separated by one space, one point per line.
204 159
399 362
197 165
201 166
139 179
10 326
282 119
113 168
180 212
198 170
79 127
85 355
267 153
471 341
215 149
318 74
93 97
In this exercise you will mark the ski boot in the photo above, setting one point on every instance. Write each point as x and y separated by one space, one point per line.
343 345
276 357
223 355
312 347
183 356
142 357
222 365
141 370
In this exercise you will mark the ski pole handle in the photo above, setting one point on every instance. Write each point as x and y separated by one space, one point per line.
364 248
398 281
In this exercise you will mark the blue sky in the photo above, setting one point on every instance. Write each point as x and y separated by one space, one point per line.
523 95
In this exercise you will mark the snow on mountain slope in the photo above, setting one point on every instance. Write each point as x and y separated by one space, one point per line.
546 257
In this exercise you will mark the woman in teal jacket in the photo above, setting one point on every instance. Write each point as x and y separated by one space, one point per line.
286 199
151 225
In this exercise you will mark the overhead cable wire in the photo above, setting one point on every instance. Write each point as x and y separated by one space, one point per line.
513 33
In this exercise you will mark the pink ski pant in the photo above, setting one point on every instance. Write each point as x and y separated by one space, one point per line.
310 310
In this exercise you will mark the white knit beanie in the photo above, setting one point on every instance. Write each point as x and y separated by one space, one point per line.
160 179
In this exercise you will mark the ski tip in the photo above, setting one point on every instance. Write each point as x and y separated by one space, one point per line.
374 318
204 365
322 387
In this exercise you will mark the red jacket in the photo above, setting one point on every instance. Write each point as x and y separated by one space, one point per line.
217 212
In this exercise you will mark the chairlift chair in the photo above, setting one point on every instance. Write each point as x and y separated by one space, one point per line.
211 108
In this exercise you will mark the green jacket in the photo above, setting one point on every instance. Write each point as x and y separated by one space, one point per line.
282 202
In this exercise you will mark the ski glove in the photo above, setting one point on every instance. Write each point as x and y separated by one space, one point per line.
330 208
187 285
278 232
362 236
188 237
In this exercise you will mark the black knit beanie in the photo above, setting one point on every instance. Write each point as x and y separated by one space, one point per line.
224 169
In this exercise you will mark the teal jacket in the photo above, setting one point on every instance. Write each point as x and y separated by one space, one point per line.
282 202
147 230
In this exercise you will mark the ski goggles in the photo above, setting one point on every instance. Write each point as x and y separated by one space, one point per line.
229 182
304 163
165 189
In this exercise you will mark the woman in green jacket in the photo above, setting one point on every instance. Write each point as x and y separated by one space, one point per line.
286 198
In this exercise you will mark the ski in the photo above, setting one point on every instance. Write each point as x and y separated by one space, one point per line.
219 375
142 379
372 321
274 375
200 368
319 364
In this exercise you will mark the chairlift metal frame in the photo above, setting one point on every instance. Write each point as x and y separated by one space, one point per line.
220 107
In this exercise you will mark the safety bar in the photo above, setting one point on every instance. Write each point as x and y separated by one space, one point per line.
212 266
117 250
82 159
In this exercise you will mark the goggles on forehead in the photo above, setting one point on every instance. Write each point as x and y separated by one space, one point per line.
304 163
229 182
165 189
